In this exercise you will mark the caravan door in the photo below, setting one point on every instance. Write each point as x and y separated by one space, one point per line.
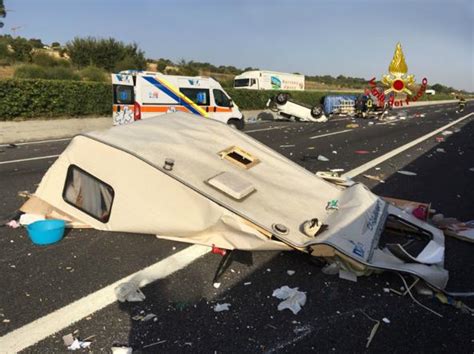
124 99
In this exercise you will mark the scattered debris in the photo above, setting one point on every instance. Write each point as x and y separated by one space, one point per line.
290 272
293 299
152 344
352 126
247 283
79 344
332 205
129 292
12 146
448 300
439 139
386 320
334 152
331 269
13 224
68 339
221 307
440 150
447 132
374 329
26 219
406 173
374 178
121 350
362 152
24 194
216 285
342 170
287 146
322 158
347 275
6 320
145 318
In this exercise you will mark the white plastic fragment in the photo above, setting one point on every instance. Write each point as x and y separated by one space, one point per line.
26 219
293 299
440 150
322 158
406 173
447 132
248 283
121 350
78 344
216 285
290 272
129 292
148 317
386 320
221 307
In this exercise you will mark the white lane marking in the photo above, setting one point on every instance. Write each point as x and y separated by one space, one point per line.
28 159
329 134
37 142
264 129
367 166
54 322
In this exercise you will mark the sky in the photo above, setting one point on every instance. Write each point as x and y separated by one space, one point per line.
336 37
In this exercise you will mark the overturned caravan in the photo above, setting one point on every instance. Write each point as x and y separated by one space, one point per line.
194 180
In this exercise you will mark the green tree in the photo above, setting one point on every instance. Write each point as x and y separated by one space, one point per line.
3 12
21 49
108 54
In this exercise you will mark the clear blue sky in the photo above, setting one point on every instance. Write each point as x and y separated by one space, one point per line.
353 38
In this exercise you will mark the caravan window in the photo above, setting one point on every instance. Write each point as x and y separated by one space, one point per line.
88 194
221 98
123 94
197 95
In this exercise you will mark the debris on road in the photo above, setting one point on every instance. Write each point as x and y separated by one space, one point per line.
14 224
129 292
332 205
78 344
221 307
352 126
26 219
455 228
447 132
294 300
386 320
439 139
121 350
406 173
375 178
362 152
322 158
440 150
290 272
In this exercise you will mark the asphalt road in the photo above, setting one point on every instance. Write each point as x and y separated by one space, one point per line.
35 281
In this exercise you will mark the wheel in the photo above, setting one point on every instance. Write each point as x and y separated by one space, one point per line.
316 111
236 123
282 98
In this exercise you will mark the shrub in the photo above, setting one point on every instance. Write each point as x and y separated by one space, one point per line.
52 98
43 59
93 73
30 71
62 73
33 71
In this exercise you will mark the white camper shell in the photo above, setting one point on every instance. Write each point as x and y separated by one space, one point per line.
269 80
196 180
143 94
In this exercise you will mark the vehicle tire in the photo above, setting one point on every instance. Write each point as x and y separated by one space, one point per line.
236 123
281 98
316 111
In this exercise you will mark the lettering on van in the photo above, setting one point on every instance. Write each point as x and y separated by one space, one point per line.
194 82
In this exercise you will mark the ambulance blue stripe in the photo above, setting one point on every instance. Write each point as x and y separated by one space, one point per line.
170 93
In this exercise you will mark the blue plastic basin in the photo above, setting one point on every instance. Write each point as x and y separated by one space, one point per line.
46 232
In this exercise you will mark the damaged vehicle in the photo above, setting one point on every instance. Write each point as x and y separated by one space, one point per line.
288 109
191 180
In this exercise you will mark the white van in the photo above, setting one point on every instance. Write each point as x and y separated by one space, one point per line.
269 80
143 94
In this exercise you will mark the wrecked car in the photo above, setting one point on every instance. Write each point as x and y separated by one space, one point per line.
191 180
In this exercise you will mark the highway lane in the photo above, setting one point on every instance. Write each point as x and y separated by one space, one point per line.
101 257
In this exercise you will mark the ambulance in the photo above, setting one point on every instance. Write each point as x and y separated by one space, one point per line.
143 94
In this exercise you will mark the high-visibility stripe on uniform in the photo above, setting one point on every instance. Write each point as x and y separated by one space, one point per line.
175 94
